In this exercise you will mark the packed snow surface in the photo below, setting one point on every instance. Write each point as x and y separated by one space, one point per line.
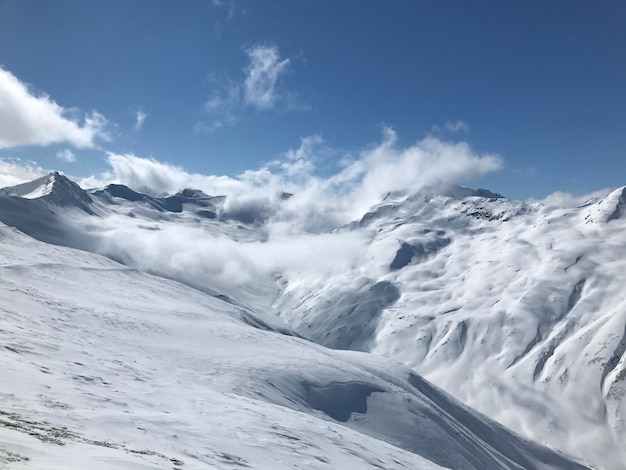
516 309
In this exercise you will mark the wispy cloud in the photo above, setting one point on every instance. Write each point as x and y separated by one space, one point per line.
17 171
157 177
320 201
301 163
452 127
229 6
30 119
66 155
261 86
229 11
222 106
140 118
298 232
259 90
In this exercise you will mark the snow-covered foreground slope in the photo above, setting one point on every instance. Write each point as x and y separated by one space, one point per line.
104 366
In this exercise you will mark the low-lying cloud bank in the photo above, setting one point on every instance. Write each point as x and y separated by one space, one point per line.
318 203
295 211
293 207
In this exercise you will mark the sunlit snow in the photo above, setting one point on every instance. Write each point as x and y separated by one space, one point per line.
516 309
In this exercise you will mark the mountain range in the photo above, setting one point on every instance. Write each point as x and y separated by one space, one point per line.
180 331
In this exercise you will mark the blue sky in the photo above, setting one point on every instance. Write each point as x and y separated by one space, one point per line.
224 86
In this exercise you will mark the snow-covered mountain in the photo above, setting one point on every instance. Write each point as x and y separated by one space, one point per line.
108 367
516 309
53 188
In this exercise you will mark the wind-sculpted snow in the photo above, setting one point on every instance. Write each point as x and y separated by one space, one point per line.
519 312
409 252
107 367
514 308
349 319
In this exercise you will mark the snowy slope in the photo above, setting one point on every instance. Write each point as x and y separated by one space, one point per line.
516 309
121 223
107 367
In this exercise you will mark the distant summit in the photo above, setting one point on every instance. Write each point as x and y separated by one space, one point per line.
53 188
121 191
189 193
456 191
401 202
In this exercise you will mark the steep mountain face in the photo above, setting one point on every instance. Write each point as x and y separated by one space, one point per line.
56 210
107 367
516 309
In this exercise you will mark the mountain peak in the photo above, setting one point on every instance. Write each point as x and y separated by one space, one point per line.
190 193
54 188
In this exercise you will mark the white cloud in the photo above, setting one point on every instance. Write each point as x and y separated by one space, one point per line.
297 232
300 162
430 161
140 118
157 177
456 126
262 75
561 200
231 7
29 119
17 171
319 203
66 155
259 90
